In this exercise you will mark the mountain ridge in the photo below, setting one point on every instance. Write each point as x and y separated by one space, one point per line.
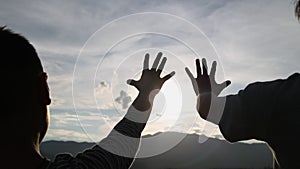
187 154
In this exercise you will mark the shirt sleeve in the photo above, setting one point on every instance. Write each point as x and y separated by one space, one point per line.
250 113
116 151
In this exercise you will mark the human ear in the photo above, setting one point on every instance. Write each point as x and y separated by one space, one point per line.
45 94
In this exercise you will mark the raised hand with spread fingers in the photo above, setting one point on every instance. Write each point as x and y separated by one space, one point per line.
205 85
150 82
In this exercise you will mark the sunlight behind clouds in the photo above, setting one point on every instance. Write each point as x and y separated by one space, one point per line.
252 46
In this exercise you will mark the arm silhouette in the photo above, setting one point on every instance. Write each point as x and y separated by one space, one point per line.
118 149
247 113
266 111
240 111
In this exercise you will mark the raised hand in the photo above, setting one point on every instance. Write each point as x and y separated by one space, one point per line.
204 82
150 81
125 138
205 86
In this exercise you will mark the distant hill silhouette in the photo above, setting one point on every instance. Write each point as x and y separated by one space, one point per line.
188 154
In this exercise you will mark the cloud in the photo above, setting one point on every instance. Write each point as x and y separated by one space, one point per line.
103 84
103 93
252 46
124 99
256 47
66 135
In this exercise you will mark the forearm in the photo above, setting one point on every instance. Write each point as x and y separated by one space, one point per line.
234 123
229 120
122 143
119 148
247 114
228 115
136 117
203 104
210 107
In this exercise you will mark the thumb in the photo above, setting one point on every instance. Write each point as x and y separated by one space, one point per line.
132 82
228 82
225 84
220 87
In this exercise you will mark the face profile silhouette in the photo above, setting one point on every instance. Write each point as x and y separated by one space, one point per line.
25 94
24 89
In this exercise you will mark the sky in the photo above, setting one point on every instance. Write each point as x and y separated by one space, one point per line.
90 48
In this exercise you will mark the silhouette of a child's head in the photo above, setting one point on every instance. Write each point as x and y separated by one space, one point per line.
24 90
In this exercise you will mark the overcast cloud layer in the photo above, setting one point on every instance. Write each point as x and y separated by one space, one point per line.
256 40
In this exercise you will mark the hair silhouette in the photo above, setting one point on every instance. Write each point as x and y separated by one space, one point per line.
22 78
297 9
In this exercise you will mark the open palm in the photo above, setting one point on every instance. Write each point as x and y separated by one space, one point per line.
204 82
150 80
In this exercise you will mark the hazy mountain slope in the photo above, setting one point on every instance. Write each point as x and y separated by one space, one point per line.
188 154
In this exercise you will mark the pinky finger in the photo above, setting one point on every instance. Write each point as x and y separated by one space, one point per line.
188 72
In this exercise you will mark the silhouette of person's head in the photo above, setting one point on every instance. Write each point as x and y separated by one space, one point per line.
297 9
24 91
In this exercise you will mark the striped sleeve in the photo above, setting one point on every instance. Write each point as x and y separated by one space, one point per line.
116 151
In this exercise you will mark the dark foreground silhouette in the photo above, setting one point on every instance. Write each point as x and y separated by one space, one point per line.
25 117
266 111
